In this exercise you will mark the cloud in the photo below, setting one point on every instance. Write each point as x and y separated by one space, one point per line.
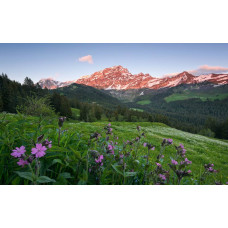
87 58
205 69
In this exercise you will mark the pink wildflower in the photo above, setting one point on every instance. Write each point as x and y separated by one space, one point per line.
181 146
18 152
144 144
187 161
174 162
162 177
99 159
189 171
22 162
170 141
158 165
39 150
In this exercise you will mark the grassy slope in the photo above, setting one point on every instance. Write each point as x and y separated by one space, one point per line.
144 102
200 149
188 95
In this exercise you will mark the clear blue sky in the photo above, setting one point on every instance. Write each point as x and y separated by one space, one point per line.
62 60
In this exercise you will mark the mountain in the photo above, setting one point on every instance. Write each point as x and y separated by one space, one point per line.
119 78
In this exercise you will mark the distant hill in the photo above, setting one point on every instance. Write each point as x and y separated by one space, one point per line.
88 94
186 104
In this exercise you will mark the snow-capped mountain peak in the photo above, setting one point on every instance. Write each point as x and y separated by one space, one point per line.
119 78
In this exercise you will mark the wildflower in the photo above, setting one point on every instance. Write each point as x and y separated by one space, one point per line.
187 161
61 121
95 135
109 130
138 128
181 146
22 162
137 139
162 177
174 162
18 152
40 138
99 160
209 168
158 165
47 143
167 142
31 158
39 150
121 155
149 146
189 171
170 141
94 153
110 147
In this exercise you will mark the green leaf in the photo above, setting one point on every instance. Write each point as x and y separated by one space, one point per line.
118 171
65 175
76 153
130 174
56 161
44 179
26 175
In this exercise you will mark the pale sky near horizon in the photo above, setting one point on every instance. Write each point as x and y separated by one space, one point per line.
66 62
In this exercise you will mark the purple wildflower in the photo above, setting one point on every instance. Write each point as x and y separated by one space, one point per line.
61 121
22 162
47 143
174 162
189 171
99 160
18 152
144 144
170 141
162 177
187 161
109 124
39 150
158 165
181 146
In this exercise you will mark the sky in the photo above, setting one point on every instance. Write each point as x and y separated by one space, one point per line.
65 62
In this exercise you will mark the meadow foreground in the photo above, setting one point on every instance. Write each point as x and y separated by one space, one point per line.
56 151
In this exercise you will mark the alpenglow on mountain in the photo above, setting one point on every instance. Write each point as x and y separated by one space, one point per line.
119 78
